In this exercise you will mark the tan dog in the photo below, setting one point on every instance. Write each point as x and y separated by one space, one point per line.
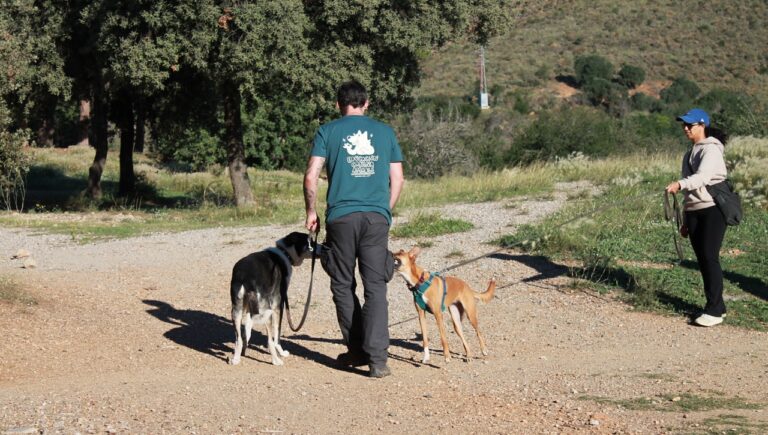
433 292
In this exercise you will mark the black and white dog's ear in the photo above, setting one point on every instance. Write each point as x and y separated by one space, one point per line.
295 239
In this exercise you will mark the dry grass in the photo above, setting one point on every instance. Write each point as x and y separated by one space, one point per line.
12 292
655 36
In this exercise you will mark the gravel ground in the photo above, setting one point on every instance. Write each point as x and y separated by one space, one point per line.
132 336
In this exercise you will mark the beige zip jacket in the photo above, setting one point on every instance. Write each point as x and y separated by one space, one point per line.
707 167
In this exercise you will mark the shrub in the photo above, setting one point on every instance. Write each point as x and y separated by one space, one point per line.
591 67
602 92
736 113
278 134
652 132
14 165
562 133
435 148
680 91
645 102
444 108
598 90
521 103
747 160
630 76
191 149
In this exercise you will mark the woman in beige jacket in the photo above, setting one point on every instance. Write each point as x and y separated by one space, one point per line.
703 165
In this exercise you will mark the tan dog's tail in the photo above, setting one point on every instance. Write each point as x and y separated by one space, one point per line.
488 295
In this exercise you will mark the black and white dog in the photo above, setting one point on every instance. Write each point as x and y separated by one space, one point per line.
259 282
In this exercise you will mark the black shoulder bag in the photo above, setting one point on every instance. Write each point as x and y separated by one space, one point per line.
726 199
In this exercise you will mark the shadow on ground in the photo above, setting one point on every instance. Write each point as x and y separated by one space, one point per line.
748 284
214 335
49 188
546 269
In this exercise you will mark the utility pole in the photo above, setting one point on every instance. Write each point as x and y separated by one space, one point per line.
483 82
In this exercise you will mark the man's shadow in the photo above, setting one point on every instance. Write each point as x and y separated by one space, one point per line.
214 335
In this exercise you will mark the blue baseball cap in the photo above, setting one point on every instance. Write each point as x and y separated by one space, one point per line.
695 116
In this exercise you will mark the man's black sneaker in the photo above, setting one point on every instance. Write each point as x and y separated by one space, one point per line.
379 371
352 359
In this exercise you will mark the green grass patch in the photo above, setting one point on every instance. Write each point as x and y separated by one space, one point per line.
12 292
733 424
430 225
169 201
620 241
678 403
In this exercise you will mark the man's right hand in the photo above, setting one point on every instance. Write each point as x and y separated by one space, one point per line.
684 231
311 223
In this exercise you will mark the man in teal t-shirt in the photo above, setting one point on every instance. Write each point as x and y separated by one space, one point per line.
365 176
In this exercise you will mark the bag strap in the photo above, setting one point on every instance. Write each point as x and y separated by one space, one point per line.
687 159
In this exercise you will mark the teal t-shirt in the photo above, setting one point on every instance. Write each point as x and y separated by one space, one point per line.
357 152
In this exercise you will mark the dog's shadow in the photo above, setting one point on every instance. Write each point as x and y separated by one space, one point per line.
214 335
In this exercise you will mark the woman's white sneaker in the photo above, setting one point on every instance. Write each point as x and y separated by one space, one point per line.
707 320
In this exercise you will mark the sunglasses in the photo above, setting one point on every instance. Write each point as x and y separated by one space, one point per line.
689 126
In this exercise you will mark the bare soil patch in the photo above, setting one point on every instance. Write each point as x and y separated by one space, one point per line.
132 336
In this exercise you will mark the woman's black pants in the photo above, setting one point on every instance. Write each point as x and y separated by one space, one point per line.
706 229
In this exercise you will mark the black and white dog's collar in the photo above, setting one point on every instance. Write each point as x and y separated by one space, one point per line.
284 258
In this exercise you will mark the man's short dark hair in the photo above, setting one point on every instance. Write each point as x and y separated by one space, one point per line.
351 93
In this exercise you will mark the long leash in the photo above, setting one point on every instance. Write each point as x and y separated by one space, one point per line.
312 248
675 208
673 214
562 224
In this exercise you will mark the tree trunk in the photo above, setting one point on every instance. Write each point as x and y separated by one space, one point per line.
45 131
100 138
127 183
84 122
238 170
141 114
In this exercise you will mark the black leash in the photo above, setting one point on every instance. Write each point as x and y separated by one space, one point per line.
575 218
678 248
313 249
673 213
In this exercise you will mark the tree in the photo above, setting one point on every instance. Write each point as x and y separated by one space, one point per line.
680 91
630 76
590 67
322 43
34 75
128 50
734 112
277 62
249 57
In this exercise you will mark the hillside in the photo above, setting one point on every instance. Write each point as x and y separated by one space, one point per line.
715 43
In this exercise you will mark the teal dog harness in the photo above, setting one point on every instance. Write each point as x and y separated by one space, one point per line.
419 290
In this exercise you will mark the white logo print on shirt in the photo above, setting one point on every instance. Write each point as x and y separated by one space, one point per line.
360 154
358 144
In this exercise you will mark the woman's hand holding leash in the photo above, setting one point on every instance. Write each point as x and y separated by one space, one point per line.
673 187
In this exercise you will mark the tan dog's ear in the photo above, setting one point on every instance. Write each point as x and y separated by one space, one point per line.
415 251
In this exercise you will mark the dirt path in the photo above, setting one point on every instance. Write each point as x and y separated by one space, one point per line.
131 336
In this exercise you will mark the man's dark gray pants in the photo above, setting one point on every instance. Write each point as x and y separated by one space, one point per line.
361 237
